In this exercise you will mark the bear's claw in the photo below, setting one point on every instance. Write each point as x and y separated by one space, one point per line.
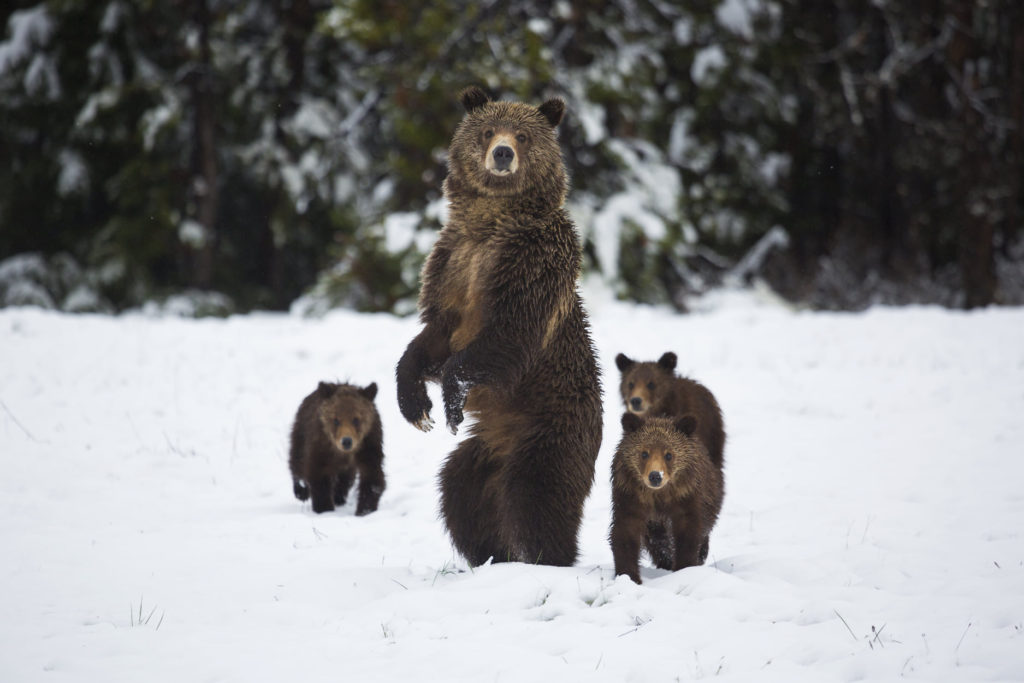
425 423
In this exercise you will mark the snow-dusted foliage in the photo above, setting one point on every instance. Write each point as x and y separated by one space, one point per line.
57 282
269 150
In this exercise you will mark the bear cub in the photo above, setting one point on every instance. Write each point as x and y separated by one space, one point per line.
652 389
337 434
666 494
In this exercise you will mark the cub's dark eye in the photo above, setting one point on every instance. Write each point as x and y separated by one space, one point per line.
645 455
630 385
337 422
650 386
668 457
355 422
521 138
488 134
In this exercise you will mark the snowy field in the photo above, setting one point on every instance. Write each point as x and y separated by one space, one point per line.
873 526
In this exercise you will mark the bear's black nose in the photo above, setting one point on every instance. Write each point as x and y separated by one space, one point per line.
503 156
654 478
346 443
636 403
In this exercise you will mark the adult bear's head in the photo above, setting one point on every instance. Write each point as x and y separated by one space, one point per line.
505 149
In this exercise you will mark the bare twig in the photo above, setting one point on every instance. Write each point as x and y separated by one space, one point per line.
15 420
852 634
962 636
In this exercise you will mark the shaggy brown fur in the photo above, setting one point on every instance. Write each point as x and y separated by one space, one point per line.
506 336
666 495
653 389
337 434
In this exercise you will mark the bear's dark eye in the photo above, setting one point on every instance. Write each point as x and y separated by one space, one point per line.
337 422
488 134
355 422
650 386
645 455
521 138
668 457
630 385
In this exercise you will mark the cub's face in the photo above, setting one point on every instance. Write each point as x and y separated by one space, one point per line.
506 148
644 385
659 450
347 415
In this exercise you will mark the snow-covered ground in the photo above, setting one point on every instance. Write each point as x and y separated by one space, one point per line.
872 526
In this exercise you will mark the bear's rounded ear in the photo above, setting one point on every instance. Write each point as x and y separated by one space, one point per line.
631 423
370 392
553 110
473 98
687 425
623 362
325 390
668 360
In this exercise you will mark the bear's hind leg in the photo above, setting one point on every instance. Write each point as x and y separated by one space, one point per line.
467 503
543 507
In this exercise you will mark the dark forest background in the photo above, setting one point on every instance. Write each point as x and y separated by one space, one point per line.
289 153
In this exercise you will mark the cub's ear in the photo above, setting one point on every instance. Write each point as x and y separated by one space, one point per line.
553 110
325 390
623 362
631 423
687 425
473 98
370 391
668 360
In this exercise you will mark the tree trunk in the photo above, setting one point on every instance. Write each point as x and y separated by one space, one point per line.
977 229
205 181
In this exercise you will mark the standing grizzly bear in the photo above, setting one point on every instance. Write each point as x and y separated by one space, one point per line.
666 494
654 390
336 434
506 336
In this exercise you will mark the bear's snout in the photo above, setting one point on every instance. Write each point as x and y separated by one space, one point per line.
346 443
636 403
655 478
503 157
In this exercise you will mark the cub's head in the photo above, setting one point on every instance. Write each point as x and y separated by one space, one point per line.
659 451
645 385
502 149
347 413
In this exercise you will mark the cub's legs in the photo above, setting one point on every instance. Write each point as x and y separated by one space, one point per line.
342 484
321 489
659 544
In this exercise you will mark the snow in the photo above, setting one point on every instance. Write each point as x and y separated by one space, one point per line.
737 16
871 528
28 29
707 63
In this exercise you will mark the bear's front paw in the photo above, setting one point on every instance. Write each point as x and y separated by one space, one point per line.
454 392
415 405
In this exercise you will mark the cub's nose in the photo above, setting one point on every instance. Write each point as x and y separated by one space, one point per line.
503 156
636 403
346 443
654 478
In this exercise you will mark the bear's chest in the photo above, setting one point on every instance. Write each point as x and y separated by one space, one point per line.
467 278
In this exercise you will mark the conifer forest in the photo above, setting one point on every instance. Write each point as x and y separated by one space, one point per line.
288 154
